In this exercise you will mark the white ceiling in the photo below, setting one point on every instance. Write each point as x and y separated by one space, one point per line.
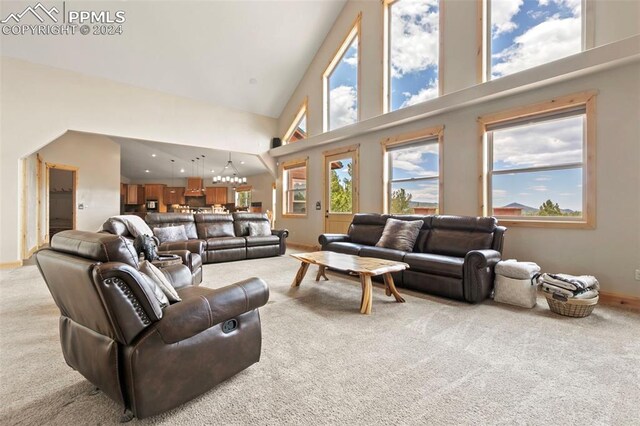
136 156
206 50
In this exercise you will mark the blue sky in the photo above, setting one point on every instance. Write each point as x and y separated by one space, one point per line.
416 162
526 33
413 52
343 89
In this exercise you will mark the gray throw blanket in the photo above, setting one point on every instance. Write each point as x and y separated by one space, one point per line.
135 225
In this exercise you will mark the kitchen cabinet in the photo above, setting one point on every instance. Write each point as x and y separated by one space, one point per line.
215 195
174 195
134 194
154 192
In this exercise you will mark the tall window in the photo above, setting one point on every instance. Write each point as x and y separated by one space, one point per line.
294 187
340 83
243 197
412 37
413 172
538 166
298 129
523 34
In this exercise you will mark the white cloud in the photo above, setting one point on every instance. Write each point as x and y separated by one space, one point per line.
550 40
351 56
499 193
429 92
343 101
502 11
542 179
411 160
539 188
542 144
414 36
427 192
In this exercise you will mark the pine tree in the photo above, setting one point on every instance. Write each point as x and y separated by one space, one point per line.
401 202
548 208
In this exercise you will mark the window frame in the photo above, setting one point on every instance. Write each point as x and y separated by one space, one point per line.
355 31
550 108
436 133
302 112
483 37
386 55
289 165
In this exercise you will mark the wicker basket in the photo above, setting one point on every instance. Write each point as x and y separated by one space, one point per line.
577 308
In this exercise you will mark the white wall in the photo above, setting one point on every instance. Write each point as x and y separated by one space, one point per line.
41 103
611 251
262 190
98 181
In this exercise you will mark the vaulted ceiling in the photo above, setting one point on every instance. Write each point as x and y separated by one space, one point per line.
246 55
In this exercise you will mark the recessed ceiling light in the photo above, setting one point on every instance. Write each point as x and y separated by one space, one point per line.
253 81
181 170
212 171
147 171
153 155
242 162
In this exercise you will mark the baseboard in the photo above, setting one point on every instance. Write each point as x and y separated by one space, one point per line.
619 299
11 265
305 247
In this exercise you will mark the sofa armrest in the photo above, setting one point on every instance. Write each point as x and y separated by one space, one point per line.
194 246
282 234
178 275
478 274
188 258
325 239
194 315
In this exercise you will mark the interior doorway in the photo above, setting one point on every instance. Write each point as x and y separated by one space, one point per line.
61 187
341 192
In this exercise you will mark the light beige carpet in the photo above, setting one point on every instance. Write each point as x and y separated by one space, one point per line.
428 361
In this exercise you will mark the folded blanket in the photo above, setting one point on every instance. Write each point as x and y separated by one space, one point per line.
517 270
571 282
135 225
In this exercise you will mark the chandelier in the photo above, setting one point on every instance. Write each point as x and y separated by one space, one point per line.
231 176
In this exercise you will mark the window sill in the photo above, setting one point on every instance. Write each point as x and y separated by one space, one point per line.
591 61
552 224
294 216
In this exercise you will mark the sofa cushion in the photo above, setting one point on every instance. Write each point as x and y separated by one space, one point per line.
382 253
263 240
457 243
259 229
344 247
170 233
96 246
214 225
226 243
161 220
241 222
400 234
366 228
435 264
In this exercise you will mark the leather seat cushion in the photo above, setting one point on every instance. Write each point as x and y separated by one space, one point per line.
226 243
268 240
344 247
382 253
435 264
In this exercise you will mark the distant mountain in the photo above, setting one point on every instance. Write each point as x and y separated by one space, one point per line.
567 211
525 209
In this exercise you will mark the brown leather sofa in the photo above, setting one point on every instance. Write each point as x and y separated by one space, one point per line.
454 256
114 332
221 237
192 260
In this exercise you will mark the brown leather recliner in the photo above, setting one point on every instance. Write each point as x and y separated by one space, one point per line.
114 332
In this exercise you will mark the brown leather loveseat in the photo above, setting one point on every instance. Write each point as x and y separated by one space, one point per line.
114 332
453 256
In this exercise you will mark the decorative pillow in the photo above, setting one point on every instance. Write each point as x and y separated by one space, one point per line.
152 287
160 281
170 233
400 234
259 229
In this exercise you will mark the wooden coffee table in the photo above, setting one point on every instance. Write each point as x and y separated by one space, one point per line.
364 267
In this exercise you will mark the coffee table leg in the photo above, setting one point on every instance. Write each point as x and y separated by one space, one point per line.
391 287
367 294
321 270
300 275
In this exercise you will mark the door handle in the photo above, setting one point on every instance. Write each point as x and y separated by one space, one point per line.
326 214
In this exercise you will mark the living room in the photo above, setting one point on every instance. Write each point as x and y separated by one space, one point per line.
334 99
